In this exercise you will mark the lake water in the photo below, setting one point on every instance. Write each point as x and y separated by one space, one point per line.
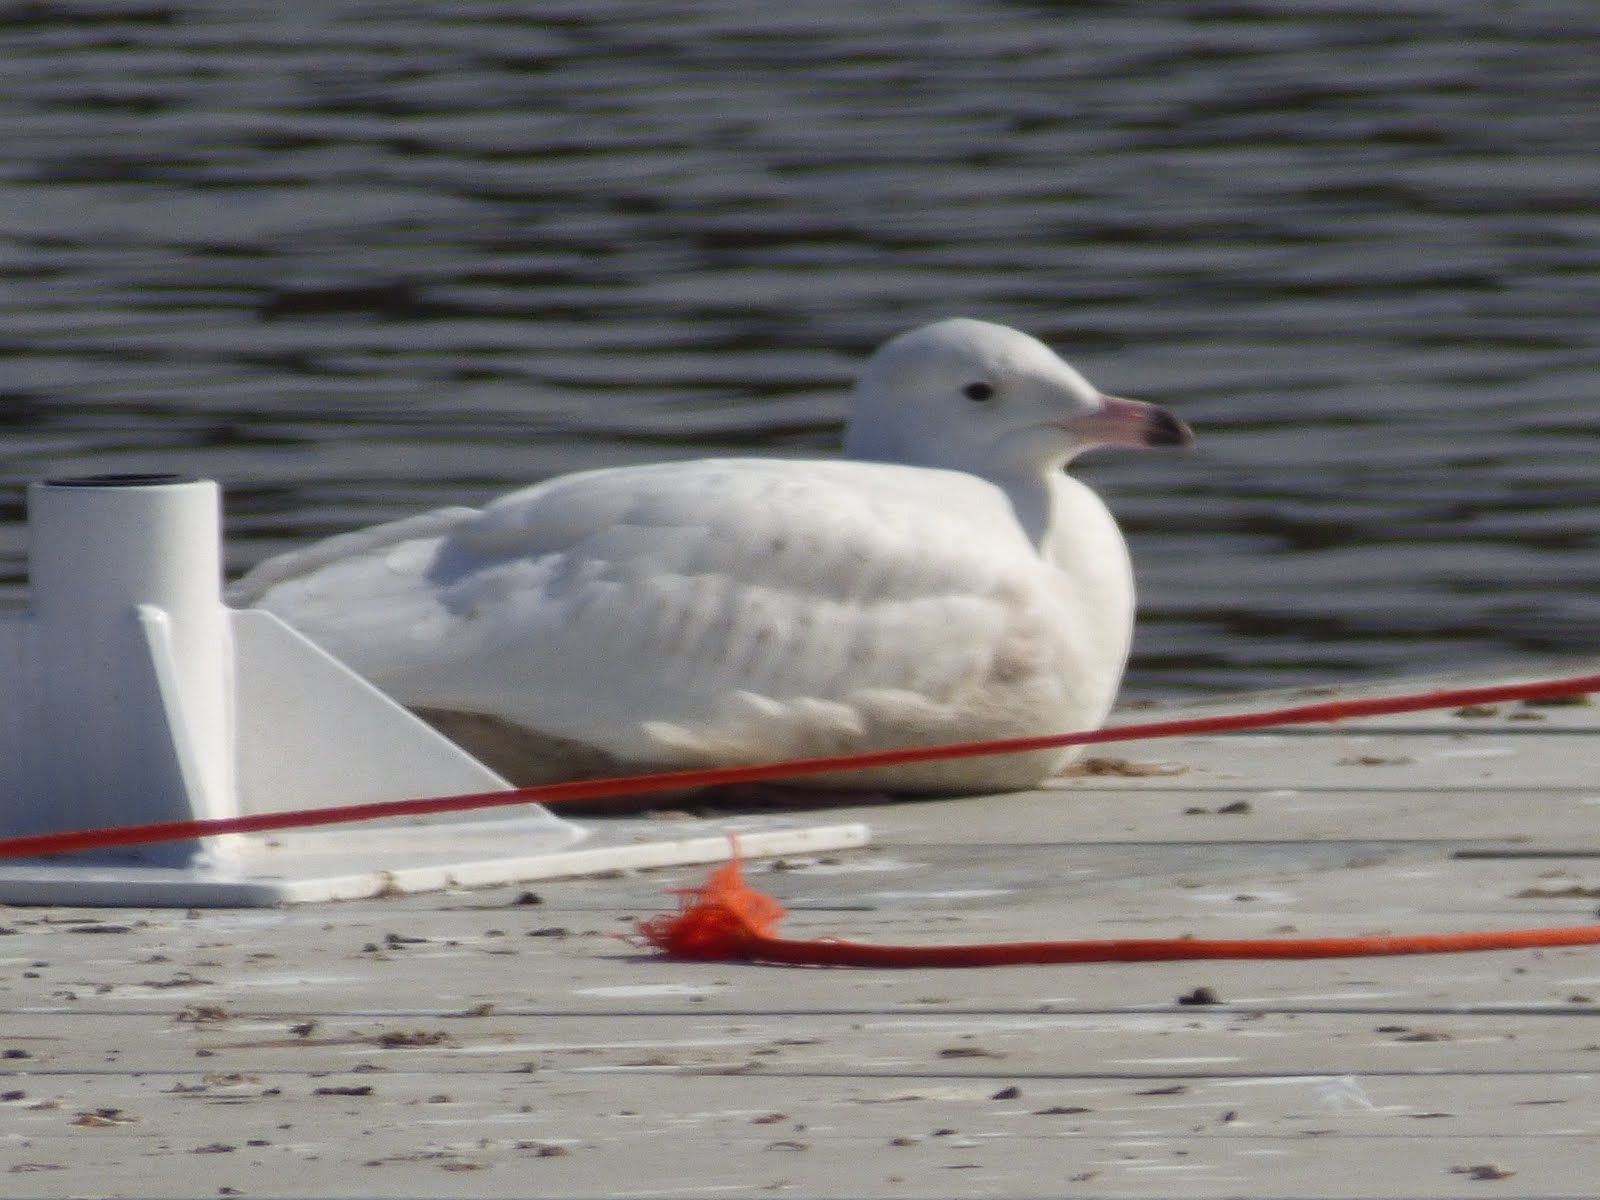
355 258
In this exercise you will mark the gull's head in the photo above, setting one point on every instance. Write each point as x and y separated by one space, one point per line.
983 398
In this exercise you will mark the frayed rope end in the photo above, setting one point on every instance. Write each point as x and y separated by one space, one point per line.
724 918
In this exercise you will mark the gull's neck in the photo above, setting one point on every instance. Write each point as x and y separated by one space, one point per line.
1033 501
1029 490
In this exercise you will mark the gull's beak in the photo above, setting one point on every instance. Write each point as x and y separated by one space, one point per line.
1119 422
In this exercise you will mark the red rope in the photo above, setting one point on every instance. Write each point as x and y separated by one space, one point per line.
726 919
555 794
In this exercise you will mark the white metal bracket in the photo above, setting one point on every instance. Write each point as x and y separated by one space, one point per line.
132 694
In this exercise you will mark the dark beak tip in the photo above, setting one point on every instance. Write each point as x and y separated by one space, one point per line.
1164 429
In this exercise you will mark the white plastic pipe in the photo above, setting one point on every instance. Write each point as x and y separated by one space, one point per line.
131 650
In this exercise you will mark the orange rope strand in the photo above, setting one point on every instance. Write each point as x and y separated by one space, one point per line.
726 919
591 790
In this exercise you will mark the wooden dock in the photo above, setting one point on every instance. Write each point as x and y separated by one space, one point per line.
510 1042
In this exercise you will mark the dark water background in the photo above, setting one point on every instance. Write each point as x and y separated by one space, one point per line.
355 258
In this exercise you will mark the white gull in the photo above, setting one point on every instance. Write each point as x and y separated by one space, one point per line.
945 581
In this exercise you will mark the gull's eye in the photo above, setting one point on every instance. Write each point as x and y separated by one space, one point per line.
978 391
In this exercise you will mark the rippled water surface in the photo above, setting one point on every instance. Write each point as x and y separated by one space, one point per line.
354 259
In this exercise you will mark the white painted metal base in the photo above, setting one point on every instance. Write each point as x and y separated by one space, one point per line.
129 694
357 863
